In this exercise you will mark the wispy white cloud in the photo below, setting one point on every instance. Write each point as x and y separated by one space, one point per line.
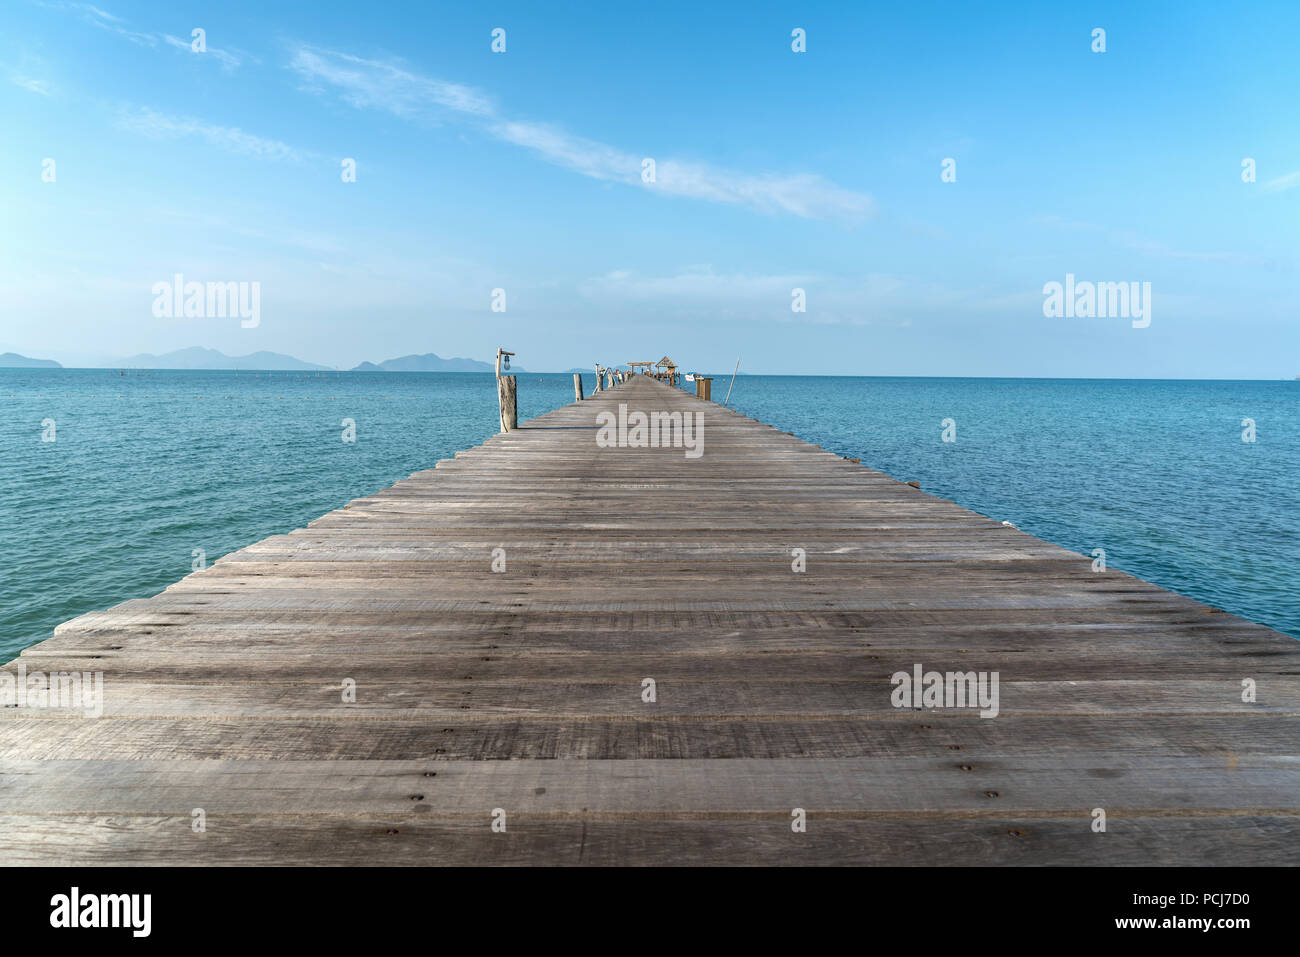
371 84
697 286
805 195
1289 181
227 59
386 86
95 16
116 25
31 84
230 138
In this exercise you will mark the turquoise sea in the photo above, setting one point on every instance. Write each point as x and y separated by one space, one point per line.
147 467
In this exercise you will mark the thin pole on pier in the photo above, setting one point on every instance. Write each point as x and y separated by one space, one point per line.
507 394
577 387
733 382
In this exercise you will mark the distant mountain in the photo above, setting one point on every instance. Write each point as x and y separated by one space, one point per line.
12 360
197 357
430 363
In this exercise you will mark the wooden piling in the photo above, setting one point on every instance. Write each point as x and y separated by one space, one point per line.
704 387
577 387
506 395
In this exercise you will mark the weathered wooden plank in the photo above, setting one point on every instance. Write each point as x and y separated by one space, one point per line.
766 840
1121 783
476 737
446 697
172 664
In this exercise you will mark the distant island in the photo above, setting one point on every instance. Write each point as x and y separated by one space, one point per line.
429 363
199 358
12 360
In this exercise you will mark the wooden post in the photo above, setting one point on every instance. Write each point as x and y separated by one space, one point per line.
577 387
733 382
599 376
704 387
506 394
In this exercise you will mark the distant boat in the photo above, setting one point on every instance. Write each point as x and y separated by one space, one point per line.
690 377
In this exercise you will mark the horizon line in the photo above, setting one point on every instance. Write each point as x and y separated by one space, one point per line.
741 375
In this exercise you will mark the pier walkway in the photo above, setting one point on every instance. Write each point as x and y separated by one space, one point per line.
495 620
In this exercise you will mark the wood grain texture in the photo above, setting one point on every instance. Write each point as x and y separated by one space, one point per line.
521 688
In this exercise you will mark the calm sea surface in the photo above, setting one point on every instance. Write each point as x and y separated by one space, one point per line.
147 467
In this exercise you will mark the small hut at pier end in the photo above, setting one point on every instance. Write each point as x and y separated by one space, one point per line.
665 370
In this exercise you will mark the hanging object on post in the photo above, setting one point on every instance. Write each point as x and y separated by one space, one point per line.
506 396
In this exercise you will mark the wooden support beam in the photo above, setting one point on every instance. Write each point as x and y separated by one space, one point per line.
506 395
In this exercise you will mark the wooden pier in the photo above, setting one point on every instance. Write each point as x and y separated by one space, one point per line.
495 620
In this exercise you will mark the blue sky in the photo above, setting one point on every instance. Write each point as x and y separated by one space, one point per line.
775 170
